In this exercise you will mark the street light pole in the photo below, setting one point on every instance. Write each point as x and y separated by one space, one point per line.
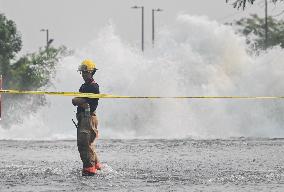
266 26
153 24
48 41
142 23
142 28
47 38
153 27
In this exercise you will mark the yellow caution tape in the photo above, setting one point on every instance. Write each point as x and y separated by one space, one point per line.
92 95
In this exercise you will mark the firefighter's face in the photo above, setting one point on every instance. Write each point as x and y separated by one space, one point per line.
87 75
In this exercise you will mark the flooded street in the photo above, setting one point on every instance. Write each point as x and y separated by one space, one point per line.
145 165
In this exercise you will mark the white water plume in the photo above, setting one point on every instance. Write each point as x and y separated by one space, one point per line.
195 57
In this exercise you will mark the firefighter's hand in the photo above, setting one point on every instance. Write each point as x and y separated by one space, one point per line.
75 101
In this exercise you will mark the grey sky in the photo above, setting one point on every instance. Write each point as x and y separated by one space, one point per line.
75 22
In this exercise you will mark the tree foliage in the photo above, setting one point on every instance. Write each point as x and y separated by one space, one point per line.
254 27
29 72
33 71
242 3
10 42
10 39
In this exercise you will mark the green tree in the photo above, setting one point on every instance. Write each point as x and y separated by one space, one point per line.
242 3
254 26
33 71
30 72
10 43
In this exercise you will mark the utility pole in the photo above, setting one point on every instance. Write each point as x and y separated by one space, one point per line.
266 26
142 27
153 24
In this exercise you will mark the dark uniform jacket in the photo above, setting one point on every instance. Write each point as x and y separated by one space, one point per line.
91 87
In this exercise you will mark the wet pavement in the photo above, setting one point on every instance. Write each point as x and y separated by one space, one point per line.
239 164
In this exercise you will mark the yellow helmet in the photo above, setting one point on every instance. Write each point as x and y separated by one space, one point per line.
87 65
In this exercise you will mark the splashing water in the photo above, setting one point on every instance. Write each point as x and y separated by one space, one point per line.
195 57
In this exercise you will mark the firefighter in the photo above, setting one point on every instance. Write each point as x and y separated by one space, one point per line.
87 127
